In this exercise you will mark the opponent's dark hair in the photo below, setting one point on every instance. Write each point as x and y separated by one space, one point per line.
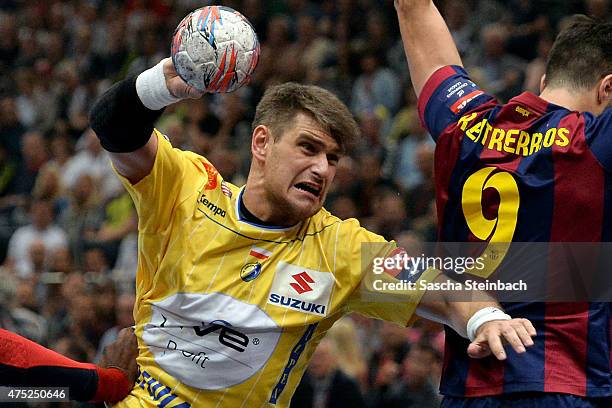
581 54
280 103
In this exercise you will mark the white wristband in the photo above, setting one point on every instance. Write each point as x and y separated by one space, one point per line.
152 90
482 316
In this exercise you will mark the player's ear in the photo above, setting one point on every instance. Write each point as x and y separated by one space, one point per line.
260 142
604 91
542 83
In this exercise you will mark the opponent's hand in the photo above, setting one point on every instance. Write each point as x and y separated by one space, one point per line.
177 87
491 336
122 353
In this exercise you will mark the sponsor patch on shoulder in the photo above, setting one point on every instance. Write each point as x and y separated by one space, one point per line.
460 93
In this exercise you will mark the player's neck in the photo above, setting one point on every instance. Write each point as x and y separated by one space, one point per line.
569 99
256 205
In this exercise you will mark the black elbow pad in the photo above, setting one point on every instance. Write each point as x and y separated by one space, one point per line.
121 122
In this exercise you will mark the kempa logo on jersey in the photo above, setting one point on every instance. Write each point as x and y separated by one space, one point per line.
214 209
301 289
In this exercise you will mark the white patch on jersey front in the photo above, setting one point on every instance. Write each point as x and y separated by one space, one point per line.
210 341
301 289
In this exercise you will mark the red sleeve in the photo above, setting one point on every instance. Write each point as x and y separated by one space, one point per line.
25 363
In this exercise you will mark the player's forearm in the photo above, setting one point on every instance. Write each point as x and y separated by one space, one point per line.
444 307
25 363
427 41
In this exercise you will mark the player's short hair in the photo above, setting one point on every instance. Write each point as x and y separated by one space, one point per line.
280 104
581 54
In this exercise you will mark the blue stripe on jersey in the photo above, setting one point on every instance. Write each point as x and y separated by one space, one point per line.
598 355
606 228
598 133
456 360
527 367
296 352
535 177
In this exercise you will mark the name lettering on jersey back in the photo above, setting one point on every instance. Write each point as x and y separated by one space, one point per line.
301 289
516 141
213 208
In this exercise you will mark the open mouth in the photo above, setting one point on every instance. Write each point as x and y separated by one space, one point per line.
309 188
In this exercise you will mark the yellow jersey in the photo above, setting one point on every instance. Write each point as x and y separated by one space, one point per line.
228 313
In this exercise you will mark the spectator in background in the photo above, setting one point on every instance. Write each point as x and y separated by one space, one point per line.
385 362
41 228
11 129
537 67
204 136
92 160
405 137
124 317
375 90
461 29
8 171
82 216
420 195
599 9
270 68
389 216
371 183
501 73
324 385
16 318
350 356
34 155
414 388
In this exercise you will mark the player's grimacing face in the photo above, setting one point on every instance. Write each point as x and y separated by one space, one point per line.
300 167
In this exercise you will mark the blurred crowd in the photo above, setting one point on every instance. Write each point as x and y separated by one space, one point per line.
68 243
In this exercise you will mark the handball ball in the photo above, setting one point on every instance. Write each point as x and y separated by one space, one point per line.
215 49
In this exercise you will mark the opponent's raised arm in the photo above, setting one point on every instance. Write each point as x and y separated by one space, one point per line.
123 116
427 41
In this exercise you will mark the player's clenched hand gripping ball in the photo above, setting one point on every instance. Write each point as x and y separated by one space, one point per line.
215 49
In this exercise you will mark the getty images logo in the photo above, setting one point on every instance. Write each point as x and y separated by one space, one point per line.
301 284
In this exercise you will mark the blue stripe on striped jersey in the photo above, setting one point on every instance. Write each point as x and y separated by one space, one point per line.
296 352
598 355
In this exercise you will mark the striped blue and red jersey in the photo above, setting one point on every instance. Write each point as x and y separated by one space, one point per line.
560 190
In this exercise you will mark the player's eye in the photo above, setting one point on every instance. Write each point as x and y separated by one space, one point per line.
308 147
333 159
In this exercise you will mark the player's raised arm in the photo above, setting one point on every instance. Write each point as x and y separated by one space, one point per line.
123 117
427 41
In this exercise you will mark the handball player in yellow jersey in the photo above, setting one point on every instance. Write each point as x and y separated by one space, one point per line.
236 286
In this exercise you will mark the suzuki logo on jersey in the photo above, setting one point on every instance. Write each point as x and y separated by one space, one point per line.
302 279
301 289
